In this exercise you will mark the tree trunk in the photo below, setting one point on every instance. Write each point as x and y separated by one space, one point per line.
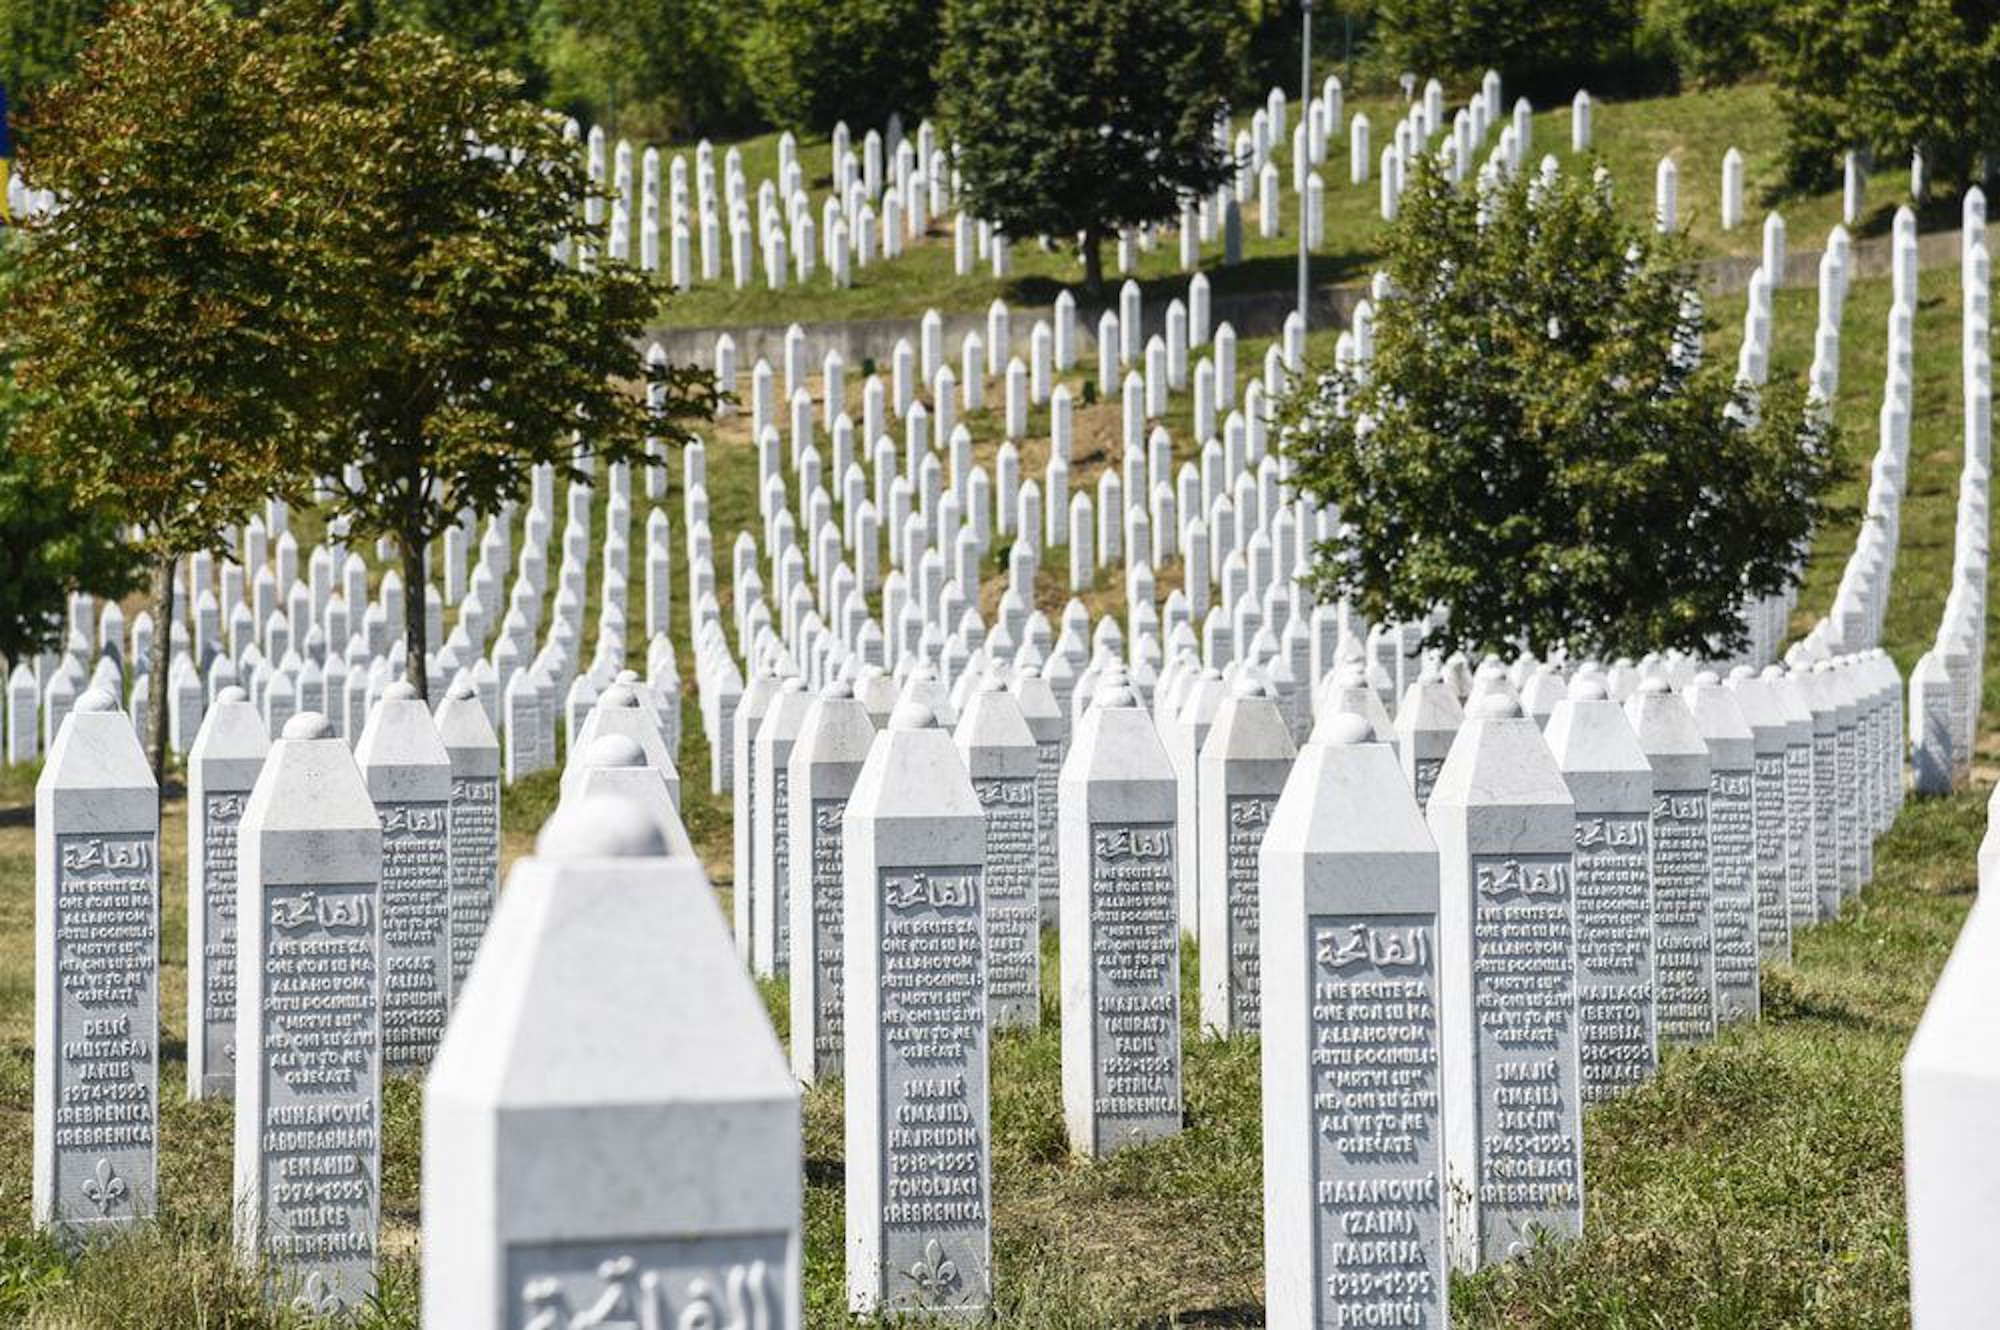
163 651
1093 261
416 615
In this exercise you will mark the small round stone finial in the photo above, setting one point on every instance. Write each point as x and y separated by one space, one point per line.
614 750
618 695
792 684
1027 671
626 677
912 715
1497 705
400 691
1653 685
838 688
604 826
1118 695
1247 684
1345 729
1773 673
1210 674
1707 679
307 725
231 694
993 683
461 690
1743 672
95 700
1588 688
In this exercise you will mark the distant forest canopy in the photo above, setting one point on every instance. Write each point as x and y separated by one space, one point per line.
679 69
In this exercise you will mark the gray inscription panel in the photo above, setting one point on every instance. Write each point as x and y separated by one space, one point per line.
1135 950
936 1216
1614 954
1732 857
475 867
1801 868
1378 1239
321 1134
1528 1107
1683 917
106 1060
416 935
1774 933
1013 912
220 816
829 1041
1249 815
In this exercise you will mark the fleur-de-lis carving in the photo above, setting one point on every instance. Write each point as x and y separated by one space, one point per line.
936 1275
315 1298
104 1187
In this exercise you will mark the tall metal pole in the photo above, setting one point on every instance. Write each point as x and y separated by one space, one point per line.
1305 171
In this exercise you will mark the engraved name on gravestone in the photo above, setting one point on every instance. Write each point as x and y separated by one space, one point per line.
223 766
1243 766
1766 719
546 1213
1801 873
1611 783
826 760
1838 686
750 709
918 1194
1732 844
1683 900
473 822
1353 1173
97 988
309 1024
403 759
1504 825
1000 757
1121 1052
1825 802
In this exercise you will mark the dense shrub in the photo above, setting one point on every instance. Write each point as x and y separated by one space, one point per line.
814 62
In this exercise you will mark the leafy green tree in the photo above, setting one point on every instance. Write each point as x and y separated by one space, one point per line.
1081 117
174 313
815 62
39 40
1887 77
473 355
1542 48
663 68
52 543
1712 42
1538 446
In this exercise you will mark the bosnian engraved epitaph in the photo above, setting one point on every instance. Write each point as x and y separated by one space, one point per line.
475 866
1523 1005
1135 973
1378 1216
827 927
220 813
1732 869
1248 816
320 1130
1614 954
104 1055
1683 917
934 1149
416 937
1013 914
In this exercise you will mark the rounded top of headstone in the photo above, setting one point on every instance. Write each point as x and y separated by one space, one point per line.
614 750
1773 672
627 676
618 695
1118 695
1588 688
1431 672
307 725
912 715
460 690
601 827
871 671
1707 679
1346 728
1211 674
1247 684
1653 684
1822 667
1498 705
96 699
992 683
400 691
792 684
231 694
838 688
1027 671
1743 672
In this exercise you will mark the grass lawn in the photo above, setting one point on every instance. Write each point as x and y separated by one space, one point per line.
1697 129
1755 1181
